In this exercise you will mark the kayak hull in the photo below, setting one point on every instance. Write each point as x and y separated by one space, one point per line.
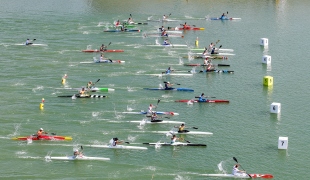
104 61
157 112
207 101
167 45
158 122
86 96
206 65
126 30
76 158
176 144
94 89
190 132
171 74
170 89
117 147
214 18
268 176
216 71
43 137
98 51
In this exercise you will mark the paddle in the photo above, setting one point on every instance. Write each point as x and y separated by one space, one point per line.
217 42
205 96
189 127
176 83
96 82
235 159
182 139
81 153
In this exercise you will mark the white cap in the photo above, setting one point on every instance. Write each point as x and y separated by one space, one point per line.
168 82
41 129
76 150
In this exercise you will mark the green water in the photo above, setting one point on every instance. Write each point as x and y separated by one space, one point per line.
244 128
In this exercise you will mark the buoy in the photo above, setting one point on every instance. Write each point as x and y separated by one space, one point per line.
268 81
196 42
264 42
63 80
275 107
266 59
42 104
283 143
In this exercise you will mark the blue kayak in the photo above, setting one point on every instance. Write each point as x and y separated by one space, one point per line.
125 30
170 89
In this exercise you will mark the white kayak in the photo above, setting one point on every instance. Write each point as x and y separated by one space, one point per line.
220 50
92 89
33 44
243 175
217 54
176 132
171 74
176 144
167 45
117 147
76 158
157 122
103 61
157 112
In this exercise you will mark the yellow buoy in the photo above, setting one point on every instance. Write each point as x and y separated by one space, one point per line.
42 104
196 42
268 81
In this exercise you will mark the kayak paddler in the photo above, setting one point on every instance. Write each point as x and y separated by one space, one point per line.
153 117
82 92
149 110
202 98
117 23
185 26
211 47
164 33
103 47
223 16
168 71
115 141
28 42
174 138
237 172
162 29
181 129
77 153
90 85
166 42
130 20
40 133
168 85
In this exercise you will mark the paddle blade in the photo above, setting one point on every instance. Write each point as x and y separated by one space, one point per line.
82 147
158 101
195 127
235 159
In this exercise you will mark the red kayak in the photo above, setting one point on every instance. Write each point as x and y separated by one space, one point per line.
43 137
267 176
96 50
207 101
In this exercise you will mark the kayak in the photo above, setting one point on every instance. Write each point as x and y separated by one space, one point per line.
267 176
104 61
226 18
157 112
85 96
137 23
176 132
93 89
207 101
167 45
117 147
209 57
176 144
75 158
170 89
125 30
126 26
96 50
216 49
159 35
206 65
157 121
31 44
44 137
187 28
216 71
171 74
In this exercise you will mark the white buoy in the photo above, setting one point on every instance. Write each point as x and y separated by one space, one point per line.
264 42
275 107
283 142
266 59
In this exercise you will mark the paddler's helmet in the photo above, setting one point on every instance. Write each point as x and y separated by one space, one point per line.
115 139
41 129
